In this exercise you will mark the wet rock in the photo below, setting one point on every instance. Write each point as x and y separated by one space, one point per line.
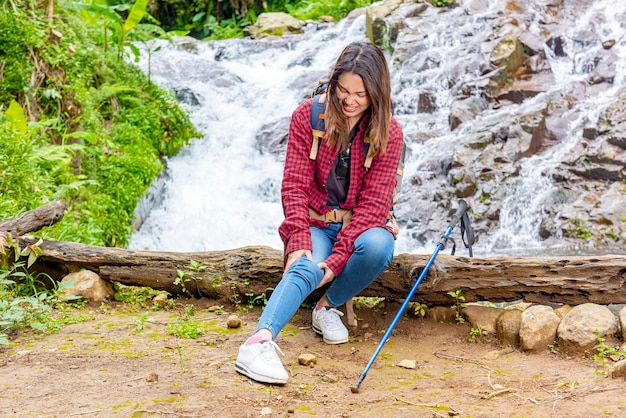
188 96
427 102
273 24
271 138
380 30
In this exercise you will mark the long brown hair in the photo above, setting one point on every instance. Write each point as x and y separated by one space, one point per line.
367 61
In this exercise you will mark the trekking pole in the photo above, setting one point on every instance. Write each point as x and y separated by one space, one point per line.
442 243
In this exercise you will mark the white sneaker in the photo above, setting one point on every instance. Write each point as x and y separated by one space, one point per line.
327 323
260 362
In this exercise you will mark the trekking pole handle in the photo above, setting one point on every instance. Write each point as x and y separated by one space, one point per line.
459 212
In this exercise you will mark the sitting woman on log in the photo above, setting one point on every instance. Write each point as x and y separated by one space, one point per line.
337 229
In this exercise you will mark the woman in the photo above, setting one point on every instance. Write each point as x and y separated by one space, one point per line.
336 228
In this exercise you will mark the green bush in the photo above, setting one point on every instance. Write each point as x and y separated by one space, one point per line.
79 123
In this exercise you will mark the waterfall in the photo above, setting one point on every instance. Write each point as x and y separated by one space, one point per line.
223 192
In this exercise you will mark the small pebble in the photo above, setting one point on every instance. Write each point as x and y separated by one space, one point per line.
160 300
307 359
233 321
330 378
407 364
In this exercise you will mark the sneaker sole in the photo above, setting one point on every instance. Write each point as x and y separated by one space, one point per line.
326 340
259 378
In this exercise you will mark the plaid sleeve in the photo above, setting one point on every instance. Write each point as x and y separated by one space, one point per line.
297 182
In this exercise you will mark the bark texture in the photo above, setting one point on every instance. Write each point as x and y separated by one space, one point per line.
35 219
257 269
253 271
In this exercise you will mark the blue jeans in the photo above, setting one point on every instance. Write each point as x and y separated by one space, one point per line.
373 251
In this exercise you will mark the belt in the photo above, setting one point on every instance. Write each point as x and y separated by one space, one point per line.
333 216
345 216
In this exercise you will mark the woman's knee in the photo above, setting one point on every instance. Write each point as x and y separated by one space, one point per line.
305 271
375 242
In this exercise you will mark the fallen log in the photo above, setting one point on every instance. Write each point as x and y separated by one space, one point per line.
254 271
35 219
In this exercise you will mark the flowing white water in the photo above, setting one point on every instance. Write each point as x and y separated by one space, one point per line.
533 187
221 192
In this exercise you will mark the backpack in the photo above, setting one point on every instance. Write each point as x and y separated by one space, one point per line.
317 123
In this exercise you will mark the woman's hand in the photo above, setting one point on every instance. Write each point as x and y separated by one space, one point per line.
329 275
295 255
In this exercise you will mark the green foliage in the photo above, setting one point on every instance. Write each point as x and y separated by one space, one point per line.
135 297
188 326
25 300
475 332
581 231
418 309
459 305
604 352
78 123
120 31
210 19
18 36
142 320
441 3
312 10
184 277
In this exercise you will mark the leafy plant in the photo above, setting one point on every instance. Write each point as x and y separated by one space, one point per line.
419 309
459 305
261 299
188 326
253 300
441 3
312 10
604 351
141 321
475 332
25 302
182 277
135 297
87 127
181 281
121 30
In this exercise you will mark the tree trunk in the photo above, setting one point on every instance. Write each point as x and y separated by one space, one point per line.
254 271
251 272
35 219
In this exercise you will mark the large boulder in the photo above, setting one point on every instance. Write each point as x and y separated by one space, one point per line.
583 326
273 24
88 285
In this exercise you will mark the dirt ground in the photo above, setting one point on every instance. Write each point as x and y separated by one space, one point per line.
125 364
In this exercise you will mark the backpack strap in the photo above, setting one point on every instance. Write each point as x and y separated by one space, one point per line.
369 157
317 123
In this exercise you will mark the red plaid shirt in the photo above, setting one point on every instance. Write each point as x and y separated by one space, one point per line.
304 186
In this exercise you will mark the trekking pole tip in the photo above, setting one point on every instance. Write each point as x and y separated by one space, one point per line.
355 388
